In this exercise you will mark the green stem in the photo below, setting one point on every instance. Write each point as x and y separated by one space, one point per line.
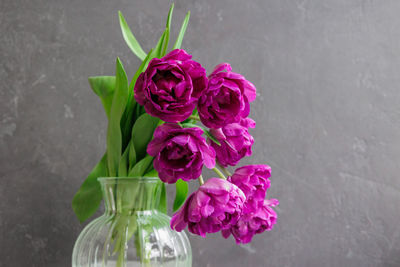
201 181
227 173
193 117
122 250
220 174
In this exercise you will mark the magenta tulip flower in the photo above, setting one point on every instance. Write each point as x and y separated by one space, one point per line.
254 181
250 224
180 153
235 140
171 86
215 206
226 99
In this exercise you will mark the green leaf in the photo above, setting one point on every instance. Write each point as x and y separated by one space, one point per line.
141 68
87 200
140 168
171 9
157 51
124 163
142 133
139 110
168 29
128 119
162 205
103 86
162 45
182 190
130 114
179 39
130 38
165 43
132 155
152 173
114 135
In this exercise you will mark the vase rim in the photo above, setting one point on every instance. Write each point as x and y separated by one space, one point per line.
128 179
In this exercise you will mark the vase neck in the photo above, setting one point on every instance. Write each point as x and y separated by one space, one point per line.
129 195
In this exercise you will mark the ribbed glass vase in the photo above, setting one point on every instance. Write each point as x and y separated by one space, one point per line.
131 232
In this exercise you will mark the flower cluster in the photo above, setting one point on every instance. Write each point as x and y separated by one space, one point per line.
175 121
176 89
257 214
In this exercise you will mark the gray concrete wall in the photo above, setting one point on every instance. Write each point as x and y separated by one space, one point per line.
328 120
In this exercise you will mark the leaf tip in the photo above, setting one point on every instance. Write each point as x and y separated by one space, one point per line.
121 17
119 63
171 8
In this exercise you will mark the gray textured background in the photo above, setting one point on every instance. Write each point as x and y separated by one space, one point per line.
328 115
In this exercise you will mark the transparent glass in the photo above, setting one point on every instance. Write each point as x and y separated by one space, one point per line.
131 232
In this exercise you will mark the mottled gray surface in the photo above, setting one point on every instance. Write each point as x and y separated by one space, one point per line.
328 120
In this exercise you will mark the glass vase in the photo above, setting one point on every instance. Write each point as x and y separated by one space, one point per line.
131 232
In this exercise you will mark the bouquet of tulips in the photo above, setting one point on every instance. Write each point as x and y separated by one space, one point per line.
154 130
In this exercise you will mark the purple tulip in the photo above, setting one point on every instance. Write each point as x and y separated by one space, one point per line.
250 224
226 99
180 153
253 181
258 215
236 142
171 86
215 206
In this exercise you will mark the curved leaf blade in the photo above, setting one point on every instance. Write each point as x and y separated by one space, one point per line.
182 190
132 155
164 47
152 173
130 38
124 163
130 114
142 133
179 39
104 86
168 31
140 168
114 135
88 198
157 51
169 18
